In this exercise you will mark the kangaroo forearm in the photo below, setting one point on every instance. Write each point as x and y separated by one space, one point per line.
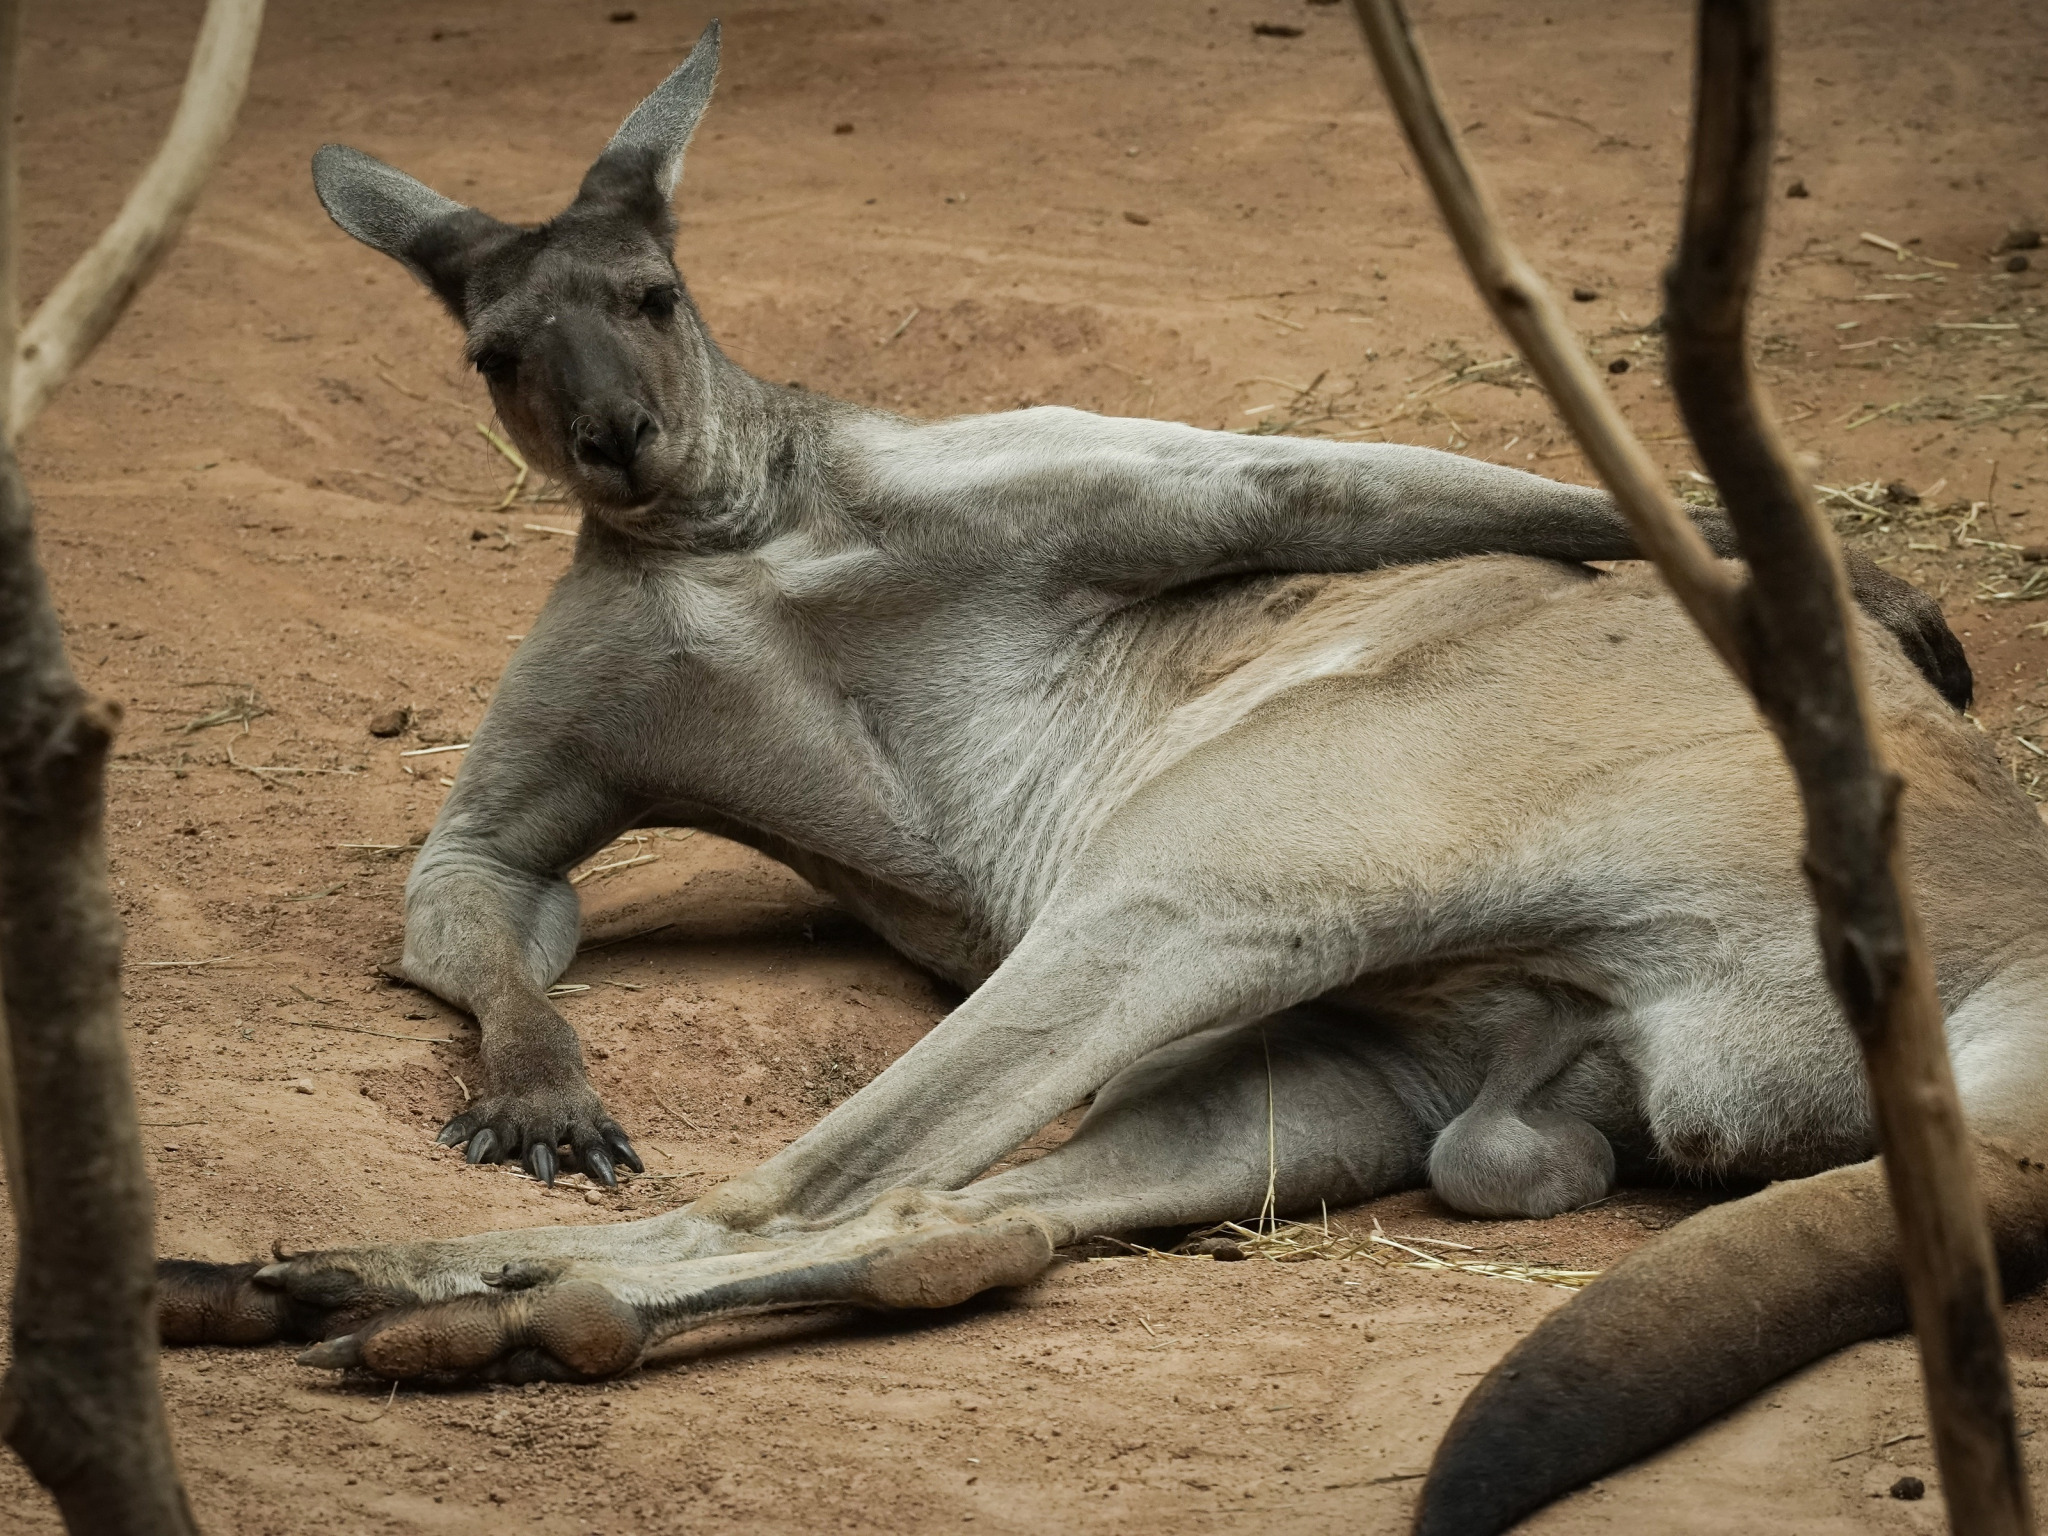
477 934
1328 507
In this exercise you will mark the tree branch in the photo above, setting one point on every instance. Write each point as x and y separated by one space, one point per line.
84 305
1789 634
1522 304
1809 681
80 1402
10 325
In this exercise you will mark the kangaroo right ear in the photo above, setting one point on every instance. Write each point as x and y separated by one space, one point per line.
390 212
640 167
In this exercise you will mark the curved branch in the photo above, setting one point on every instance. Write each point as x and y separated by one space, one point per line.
1808 679
85 304
1522 304
1789 634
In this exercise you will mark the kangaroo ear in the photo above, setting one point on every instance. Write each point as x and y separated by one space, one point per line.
384 208
435 237
644 161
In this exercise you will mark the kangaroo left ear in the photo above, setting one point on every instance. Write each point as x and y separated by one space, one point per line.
644 161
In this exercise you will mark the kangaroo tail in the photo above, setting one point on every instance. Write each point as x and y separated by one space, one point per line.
1694 1324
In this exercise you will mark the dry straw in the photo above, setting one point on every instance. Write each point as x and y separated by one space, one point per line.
1296 1242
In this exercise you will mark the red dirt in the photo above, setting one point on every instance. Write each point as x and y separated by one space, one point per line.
269 484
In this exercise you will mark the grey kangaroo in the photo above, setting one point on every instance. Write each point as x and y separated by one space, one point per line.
1206 762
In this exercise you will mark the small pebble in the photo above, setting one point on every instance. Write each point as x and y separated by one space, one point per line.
593 1197
1909 1488
842 127
1797 189
1146 218
300 1085
1269 29
391 722
620 18
2016 263
1220 1248
1619 365
1901 494
1584 295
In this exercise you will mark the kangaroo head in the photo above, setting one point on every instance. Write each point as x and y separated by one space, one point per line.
595 356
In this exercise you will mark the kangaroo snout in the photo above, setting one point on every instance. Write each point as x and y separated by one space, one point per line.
612 439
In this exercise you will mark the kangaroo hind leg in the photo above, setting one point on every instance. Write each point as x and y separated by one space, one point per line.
1191 1134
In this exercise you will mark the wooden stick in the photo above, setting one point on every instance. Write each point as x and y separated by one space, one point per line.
1526 311
1789 634
1809 680
80 1403
88 299
10 327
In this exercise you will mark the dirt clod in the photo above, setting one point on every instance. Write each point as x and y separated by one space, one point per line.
1619 365
2016 263
1797 189
390 722
2021 237
1584 295
1909 1487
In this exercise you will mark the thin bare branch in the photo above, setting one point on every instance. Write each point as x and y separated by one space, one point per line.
80 1403
1789 633
90 297
1809 679
1526 311
10 325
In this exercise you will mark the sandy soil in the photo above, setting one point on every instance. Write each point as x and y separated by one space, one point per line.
266 498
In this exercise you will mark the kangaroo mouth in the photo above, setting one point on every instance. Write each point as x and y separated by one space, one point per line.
620 507
613 490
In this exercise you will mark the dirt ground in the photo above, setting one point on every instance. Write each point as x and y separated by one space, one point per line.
267 505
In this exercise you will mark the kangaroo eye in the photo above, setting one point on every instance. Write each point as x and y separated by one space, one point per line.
497 366
659 302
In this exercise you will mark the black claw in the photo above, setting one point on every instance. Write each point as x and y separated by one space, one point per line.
598 1166
452 1134
624 1150
540 1162
482 1145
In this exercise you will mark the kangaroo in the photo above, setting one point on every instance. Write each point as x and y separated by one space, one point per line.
1227 773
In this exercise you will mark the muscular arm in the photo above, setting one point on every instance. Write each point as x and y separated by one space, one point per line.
1144 506
1155 504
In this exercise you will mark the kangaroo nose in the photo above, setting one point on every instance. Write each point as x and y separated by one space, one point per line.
613 440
